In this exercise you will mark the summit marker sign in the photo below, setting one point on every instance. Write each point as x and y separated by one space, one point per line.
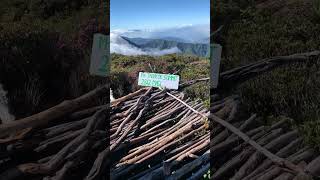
168 81
215 58
100 55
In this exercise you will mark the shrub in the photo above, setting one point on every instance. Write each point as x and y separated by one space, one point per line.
30 51
311 133
276 30
292 91
37 60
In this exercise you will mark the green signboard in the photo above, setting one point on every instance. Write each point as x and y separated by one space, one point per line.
168 81
215 58
100 55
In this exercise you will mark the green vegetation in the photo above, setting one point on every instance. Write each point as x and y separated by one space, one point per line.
254 31
45 48
125 70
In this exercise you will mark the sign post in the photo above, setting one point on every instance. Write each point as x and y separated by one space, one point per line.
100 55
215 58
168 81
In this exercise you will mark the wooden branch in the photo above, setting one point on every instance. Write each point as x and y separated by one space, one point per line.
191 82
50 115
190 166
275 159
243 73
124 98
68 151
100 166
16 136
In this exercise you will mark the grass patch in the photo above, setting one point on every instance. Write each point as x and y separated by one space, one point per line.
45 50
292 91
188 67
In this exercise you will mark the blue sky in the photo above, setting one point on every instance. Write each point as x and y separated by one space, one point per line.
153 14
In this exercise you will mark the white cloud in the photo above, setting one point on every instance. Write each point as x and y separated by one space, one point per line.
121 46
157 52
187 33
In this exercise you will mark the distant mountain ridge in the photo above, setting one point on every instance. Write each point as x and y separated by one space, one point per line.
197 49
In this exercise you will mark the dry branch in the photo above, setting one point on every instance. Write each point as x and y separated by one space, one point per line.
54 113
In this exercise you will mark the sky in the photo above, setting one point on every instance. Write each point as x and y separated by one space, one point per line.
155 14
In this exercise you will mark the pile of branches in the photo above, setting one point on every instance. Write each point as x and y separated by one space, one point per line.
154 136
59 143
248 149
151 135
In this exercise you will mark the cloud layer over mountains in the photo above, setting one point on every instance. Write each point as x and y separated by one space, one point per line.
121 46
187 33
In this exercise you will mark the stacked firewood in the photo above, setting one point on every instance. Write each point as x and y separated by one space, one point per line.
244 147
151 135
155 134
59 143
234 158
155 137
